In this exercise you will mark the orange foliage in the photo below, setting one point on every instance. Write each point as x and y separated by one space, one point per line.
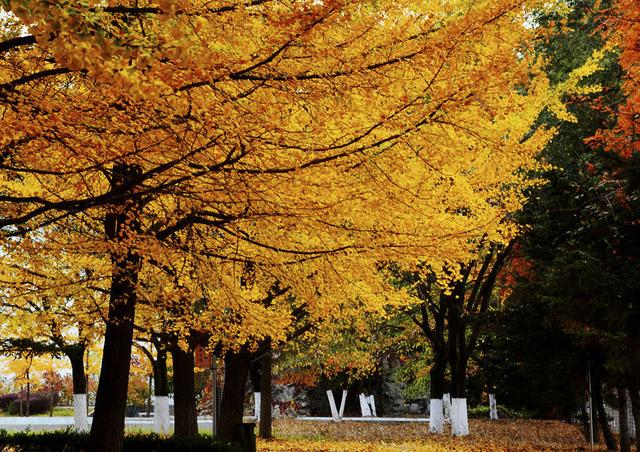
624 137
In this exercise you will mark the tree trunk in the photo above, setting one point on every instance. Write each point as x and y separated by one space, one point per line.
235 381
161 421
436 391
121 225
149 386
265 396
161 380
255 374
635 410
586 430
186 416
602 415
76 357
458 361
493 407
28 396
594 409
459 417
623 410
458 358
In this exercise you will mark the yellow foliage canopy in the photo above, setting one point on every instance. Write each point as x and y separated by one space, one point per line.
310 140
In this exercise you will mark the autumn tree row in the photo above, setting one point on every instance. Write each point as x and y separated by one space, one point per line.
219 172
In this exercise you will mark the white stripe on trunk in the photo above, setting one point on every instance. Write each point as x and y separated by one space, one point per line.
493 407
80 412
161 419
257 399
459 419
446 401
436 417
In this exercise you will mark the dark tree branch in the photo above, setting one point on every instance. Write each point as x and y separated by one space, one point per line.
32 77
16 42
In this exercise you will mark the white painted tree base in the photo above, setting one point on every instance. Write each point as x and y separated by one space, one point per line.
446 403
436 416
493 407
161 421
80 412
257 399
459 419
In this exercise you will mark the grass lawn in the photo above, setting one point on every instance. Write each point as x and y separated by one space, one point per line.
502 435
57 411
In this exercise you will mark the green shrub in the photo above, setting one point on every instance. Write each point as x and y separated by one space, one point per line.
68 441
482 412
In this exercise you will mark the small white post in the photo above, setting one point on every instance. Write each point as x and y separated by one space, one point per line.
446 405
332 405
257 398
372 405
493 407
364 406
342 403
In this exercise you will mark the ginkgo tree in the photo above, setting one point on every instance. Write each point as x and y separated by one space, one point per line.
51 304
298 136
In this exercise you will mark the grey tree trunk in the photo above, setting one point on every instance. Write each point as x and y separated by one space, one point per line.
623 410
602 415
635 409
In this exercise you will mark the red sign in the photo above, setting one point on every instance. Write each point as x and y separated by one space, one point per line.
202 358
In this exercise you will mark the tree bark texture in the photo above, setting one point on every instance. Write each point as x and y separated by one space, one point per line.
121 225
186 416
161 380
264 431
634 398
623 409
602 415
235 380
76 358
594 413
75 353
458 356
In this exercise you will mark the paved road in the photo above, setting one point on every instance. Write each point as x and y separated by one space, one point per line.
366 419
38 423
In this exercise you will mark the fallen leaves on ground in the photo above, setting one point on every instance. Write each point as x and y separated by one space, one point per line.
503 435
